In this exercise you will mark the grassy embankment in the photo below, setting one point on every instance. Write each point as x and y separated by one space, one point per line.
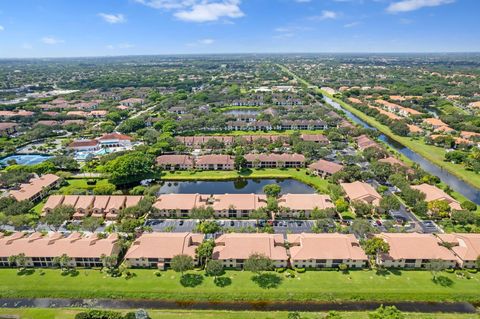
326 286
433 153
66 313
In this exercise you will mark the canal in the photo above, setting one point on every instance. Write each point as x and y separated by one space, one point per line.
427 307
454 182
237 186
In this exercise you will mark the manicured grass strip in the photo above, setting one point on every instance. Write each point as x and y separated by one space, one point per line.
81 183
41 313
300 175
363 285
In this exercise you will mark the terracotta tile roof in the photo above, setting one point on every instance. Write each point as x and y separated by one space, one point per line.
164 245
83 143
175 160
326 166
361 191
325 246
434 193
392 161
241 246
466 246
34 186
214 159
426 246
305 201
114 136
275 157
55 245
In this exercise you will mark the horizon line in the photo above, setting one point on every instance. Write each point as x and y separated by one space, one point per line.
242 53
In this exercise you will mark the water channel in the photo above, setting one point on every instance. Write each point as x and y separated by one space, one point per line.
428 307
454 182
237 186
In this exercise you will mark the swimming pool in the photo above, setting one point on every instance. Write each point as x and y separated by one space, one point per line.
25 159
81 156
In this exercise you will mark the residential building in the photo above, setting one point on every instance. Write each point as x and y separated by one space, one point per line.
132 102
364 142
224 205
175 162
233 249
433 193
317 138
41 250
360 191
325 168
466 247
325 251
274 160
8 128
156 250
413 250
100 206
36 188
296 205
215 162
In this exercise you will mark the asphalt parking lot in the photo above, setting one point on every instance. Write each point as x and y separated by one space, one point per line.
187 225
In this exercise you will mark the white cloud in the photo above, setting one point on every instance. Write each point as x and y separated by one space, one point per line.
201 42
351 24
51 40
207 12
2 28
124 45
198 10
412 5
206 41
167 4
303 1
325 15
112 18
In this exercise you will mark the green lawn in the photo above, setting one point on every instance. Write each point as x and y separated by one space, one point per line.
41 313
433 153
312 285
80 183
318 183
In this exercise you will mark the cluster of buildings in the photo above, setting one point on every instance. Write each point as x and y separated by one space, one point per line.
156 250
282 126
99 206
226 162
228 140
238 205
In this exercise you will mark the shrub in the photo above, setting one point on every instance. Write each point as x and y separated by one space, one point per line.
280 270
450 270
343 267
300 270
158 273
472 271
99 314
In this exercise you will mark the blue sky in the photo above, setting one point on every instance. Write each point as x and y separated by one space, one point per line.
65 28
